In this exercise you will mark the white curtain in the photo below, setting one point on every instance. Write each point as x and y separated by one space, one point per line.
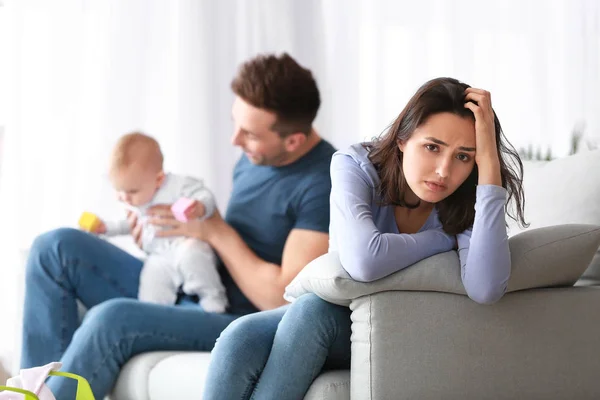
76 74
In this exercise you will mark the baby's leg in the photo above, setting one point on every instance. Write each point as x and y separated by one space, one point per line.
197 263
157 280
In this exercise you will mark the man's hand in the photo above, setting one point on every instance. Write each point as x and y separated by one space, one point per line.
136 229
197 210
161 215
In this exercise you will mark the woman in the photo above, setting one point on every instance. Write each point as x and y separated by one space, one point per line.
438 180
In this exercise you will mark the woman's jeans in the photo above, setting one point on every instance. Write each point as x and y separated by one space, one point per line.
66 265
277 354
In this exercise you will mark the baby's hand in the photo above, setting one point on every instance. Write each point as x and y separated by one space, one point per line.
197 210
100 229
90 222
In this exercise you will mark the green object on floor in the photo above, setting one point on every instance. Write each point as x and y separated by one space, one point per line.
28 395
84 391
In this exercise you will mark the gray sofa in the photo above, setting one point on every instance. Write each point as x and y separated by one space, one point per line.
533 344
413 339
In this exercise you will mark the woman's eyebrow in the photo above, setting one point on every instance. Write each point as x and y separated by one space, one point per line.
438 141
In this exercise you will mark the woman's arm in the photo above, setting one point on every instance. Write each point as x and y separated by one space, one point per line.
366 253
483 250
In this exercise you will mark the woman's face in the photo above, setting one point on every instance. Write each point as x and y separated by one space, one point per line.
439 156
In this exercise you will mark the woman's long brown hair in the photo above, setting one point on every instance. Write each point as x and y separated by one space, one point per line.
457 211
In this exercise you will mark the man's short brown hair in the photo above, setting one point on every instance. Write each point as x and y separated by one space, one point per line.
282 86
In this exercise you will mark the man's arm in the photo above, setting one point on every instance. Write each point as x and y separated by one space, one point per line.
263 282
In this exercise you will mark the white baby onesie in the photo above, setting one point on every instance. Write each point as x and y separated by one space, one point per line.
176 262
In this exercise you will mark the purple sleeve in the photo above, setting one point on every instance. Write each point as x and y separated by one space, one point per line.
365 252
483 250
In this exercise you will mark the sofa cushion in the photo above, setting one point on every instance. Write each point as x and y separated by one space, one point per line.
330 385
179 376
164 375
563 191
544 257
133 381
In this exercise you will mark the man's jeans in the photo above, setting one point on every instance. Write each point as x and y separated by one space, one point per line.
67 264
277 354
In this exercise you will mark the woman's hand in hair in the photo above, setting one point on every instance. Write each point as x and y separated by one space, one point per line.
486 154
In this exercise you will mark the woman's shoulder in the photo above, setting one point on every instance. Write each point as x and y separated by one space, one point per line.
358 152
357 156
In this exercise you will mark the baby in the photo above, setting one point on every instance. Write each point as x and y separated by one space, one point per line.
136 173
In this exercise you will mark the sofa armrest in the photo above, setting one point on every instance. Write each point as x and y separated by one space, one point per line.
540 343
545 257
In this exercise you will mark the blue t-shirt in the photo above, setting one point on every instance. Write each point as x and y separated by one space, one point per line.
268 202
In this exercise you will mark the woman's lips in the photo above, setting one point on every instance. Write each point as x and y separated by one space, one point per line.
435 187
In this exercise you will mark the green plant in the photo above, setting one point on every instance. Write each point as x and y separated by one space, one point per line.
577 136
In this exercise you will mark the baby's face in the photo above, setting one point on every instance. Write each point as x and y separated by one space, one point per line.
134 185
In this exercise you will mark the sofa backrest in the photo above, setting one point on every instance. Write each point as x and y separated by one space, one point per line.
563 191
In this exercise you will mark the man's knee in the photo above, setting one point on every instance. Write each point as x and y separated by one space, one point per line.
110 318
51 239
106 330
46 246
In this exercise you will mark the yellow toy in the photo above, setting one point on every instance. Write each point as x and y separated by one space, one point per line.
89 221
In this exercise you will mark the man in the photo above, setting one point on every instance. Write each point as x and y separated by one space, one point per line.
276 222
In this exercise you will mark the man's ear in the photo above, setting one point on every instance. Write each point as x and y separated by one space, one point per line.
293 141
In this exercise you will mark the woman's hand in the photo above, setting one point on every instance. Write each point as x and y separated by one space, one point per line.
486 154
161 215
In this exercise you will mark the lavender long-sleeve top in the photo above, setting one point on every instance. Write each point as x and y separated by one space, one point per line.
366 236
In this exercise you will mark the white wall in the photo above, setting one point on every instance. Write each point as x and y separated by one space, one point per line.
76 74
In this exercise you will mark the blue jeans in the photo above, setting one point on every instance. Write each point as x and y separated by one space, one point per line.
277 354
66 265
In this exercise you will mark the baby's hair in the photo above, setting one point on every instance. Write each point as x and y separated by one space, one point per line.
136 147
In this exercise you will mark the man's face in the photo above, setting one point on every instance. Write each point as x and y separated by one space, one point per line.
254 135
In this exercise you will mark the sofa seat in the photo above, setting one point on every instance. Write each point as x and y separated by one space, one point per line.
167 375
